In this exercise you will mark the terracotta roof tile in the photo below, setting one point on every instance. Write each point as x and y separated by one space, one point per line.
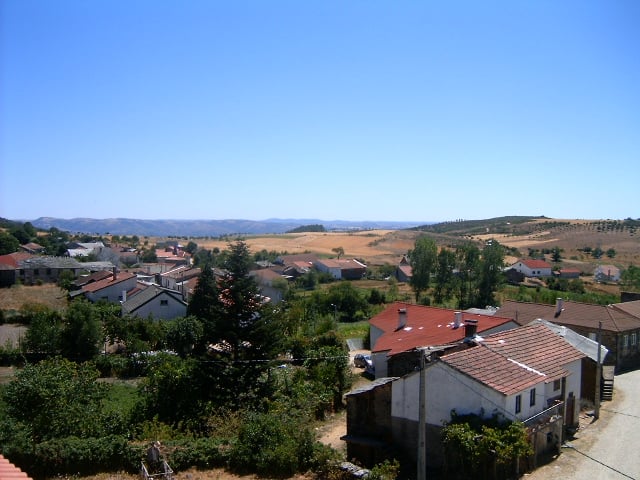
494 370
9 471
535 346
100 284
578 314
425 326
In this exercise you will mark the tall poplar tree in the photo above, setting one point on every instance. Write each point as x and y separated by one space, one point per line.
423 262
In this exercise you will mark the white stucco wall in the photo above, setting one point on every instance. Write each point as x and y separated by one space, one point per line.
112 293
173 309
448 389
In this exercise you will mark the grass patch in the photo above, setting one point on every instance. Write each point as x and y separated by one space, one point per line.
354 329
121 398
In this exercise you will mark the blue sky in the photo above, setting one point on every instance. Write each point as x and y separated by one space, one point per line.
352 110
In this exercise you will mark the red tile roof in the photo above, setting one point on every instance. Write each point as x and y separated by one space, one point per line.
537 347
8 471
494 370
533 263
13 259
577 314
100 284
425 326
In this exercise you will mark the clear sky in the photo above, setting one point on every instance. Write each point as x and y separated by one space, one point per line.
351 110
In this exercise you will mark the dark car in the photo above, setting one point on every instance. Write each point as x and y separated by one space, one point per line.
361 360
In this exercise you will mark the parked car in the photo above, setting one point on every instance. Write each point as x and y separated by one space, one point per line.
361 360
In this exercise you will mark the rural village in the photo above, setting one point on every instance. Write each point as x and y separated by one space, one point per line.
548 366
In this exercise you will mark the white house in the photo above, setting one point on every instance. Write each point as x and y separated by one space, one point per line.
155 302
342 269
111 289
607 273
529 374
533 268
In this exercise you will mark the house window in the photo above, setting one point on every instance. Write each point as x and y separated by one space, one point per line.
48 271
164 303
633 339
532 397
556 385
593 336
625 341
518 403
36 271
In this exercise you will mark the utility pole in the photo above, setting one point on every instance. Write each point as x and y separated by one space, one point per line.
596 410
422 420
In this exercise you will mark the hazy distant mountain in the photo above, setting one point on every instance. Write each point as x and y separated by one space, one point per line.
202 228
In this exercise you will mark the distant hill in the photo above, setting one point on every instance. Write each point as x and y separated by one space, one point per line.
203 228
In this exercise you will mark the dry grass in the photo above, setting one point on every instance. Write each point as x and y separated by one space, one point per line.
376 247
14 298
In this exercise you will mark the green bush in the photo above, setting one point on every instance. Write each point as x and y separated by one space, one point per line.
84 456
199 453
268 445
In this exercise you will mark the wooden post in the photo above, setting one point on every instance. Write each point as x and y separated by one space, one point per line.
596 410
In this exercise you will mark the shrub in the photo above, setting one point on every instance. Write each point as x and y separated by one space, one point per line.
274 446
84 456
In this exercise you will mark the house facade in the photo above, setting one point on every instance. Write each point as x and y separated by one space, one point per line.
342 269
533 268
528 374
607 273
155 302
112 289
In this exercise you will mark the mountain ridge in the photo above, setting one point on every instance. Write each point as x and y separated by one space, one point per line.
202 227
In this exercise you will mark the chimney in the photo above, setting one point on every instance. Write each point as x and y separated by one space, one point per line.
457 319
402 318
559 304
470 328
115 275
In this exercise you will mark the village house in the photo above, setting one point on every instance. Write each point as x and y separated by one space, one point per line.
270 284
533 268
112 289
172 278
606 273
401 329
404 271
154 302
529 374
620 325
568 273
45 269
33 248
342 269
589 362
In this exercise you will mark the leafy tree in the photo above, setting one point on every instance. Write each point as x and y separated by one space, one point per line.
491 275
56 398
82 331
347 300
149 255
339 251
8 243
44 333
423 261
184 335
597 252
631 277
445 279
191 247
556 254
467 265
66 279
611 252
20 234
